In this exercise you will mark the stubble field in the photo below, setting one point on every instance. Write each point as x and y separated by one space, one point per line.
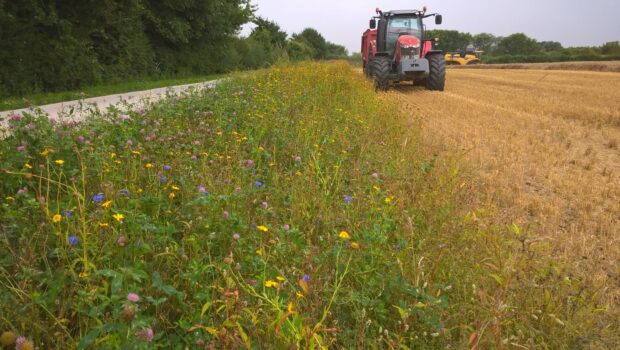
545 146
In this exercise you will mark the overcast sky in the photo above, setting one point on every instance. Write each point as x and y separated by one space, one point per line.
571 22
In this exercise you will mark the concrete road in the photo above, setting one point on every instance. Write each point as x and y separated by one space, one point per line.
78 109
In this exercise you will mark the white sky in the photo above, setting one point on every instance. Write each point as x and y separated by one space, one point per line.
571 22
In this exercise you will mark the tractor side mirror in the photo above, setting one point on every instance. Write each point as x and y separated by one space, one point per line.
438 19
373 24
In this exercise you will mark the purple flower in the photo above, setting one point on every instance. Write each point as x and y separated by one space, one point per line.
67 213
203 190
306 278
133 297
167 167
397 247
249 162
348 199
31 126
98 198
145 334
73 240
121 241
16 117
81 139
124 192
258 184
162 179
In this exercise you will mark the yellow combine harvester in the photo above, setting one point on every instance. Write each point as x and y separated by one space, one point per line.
463 58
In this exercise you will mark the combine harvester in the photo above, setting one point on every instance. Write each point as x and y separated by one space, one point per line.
395 49
464 58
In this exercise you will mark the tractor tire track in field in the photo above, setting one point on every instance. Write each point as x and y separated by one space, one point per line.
545 145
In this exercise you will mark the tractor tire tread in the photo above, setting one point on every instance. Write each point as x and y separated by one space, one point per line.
436 80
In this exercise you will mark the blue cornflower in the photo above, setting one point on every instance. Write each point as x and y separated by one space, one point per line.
307 278
162 179
67 213
167 167
98 198
348 199
124 192
258 184
73 240
397 247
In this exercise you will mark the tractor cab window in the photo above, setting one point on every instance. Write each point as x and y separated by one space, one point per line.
398 26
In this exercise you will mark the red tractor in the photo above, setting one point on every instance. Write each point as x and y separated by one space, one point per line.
396 49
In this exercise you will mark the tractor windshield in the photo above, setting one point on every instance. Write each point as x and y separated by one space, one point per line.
399 25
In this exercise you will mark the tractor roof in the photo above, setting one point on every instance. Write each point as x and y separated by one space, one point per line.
402 12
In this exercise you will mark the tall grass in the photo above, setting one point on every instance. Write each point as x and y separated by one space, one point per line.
293 208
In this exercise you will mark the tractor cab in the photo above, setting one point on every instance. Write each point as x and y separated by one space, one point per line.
395 49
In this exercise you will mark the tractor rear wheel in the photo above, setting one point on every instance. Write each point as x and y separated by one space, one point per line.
381 71
437 75
368 68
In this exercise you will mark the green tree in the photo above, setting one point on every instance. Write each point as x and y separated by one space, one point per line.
611 48
270 31
451 40
485 42
549 46
518 44
315 40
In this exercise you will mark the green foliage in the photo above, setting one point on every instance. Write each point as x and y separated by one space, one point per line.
450 40
518 44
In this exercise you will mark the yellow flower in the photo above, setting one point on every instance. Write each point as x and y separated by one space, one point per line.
259 252
59 161
149 165
290 307
56 218
45 152
281 279
112 155
175 188
262 228
136 152
118 217
387 200
106 204
172 195
344 235
9 198
355 245
298 173
83 274
271 284
28 166
103 224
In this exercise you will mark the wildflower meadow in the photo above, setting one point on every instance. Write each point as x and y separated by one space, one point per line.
291 208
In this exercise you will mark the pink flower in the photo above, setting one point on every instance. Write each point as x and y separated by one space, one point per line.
298 159
123 117
21 148
249 162
145 334
265 205
375 175
133 297
129 143
286 227
121 241
225 214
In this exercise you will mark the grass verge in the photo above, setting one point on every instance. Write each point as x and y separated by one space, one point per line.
294 208
40 99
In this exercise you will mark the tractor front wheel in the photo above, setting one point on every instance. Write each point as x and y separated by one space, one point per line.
381 72
437 75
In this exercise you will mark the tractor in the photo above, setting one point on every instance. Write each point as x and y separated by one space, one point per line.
395 49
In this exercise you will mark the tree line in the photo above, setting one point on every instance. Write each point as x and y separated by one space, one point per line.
519 47
54 45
